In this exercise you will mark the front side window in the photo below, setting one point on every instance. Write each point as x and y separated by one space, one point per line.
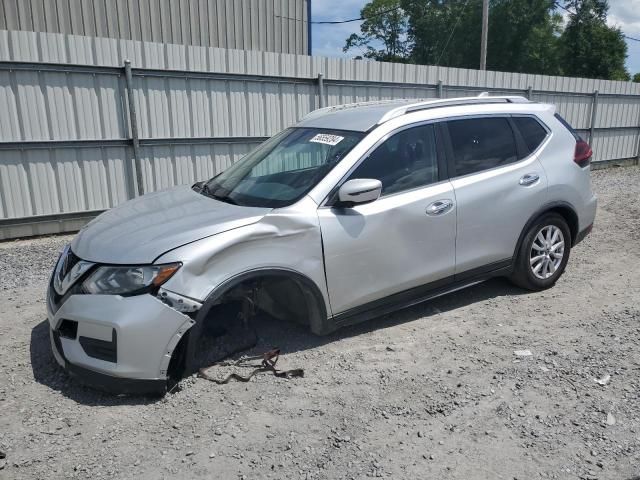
481 143
405 161
283 169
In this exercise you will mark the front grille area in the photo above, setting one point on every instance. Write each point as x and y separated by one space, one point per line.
58 344
68 329
101 349
68 262
93 347
55 299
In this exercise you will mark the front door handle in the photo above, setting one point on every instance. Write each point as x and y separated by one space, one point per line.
439 207
529 179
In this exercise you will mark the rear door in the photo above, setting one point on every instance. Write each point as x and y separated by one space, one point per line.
499 184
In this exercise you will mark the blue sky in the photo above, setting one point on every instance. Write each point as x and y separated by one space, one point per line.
328 40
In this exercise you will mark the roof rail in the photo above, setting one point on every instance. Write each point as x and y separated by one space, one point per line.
482 99
344 106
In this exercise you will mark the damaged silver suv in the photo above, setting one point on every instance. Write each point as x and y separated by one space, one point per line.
354 212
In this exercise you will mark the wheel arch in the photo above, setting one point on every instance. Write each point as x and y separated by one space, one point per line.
313 297
564 209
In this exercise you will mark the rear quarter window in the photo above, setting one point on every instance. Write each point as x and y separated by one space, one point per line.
532 132
568 127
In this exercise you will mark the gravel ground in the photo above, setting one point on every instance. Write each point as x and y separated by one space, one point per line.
434 391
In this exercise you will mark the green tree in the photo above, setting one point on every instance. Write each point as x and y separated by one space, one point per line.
444 32
385 25
589 47
636 78
523 36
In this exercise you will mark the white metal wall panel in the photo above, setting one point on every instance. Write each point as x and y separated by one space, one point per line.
575 109
44 181
32 116
615 144
14 182
242 24
59 106
116 159
9 120
617 112
71 182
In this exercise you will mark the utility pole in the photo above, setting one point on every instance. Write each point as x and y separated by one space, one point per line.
483 39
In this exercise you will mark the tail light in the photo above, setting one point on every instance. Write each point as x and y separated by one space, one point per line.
583 153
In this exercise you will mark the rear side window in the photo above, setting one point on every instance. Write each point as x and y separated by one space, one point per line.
568 127
481 143
532 132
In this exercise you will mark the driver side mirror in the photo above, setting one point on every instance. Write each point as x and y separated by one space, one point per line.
359 191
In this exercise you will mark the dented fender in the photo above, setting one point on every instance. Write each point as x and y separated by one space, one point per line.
287 238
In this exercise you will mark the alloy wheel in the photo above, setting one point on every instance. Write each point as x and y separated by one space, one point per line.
547 251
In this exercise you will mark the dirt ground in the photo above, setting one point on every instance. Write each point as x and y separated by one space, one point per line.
434 391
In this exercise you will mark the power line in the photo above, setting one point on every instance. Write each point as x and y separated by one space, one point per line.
452 32
338 22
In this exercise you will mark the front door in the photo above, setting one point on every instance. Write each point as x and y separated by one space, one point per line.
403 240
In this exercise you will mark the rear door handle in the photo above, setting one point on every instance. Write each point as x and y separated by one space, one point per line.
529 179
439 207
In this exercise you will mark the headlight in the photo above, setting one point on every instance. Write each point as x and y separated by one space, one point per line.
113 280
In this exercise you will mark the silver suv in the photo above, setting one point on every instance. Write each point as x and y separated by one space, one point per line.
356 211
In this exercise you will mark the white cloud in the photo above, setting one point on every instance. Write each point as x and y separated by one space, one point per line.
625 14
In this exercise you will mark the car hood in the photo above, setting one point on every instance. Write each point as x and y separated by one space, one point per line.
140 230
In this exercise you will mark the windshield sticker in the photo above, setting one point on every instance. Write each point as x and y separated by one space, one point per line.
327 139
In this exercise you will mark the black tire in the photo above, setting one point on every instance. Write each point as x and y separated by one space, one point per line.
523 274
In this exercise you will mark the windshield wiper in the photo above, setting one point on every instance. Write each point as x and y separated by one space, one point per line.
204 190
225 199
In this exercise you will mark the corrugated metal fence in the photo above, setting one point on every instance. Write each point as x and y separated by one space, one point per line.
68 149
271 25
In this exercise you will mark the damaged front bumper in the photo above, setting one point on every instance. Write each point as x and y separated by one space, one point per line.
119 344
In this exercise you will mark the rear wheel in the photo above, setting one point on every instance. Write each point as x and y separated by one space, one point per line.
543 254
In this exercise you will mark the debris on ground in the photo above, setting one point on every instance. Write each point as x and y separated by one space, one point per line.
268 363
603 380
522 353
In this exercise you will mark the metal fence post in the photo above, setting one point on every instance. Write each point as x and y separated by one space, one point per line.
320 91
594 113
529 92
439 87
133 122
